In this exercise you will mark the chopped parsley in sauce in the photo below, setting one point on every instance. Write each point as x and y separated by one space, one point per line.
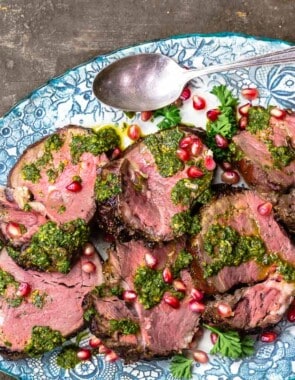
67 358
184 223
125 326
107 187
43 339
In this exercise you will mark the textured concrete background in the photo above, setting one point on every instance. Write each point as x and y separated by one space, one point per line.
43 38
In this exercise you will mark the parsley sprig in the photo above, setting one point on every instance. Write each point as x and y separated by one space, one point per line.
171 116
231 344
181 367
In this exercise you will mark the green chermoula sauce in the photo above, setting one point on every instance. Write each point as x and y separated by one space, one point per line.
30 172
163 147
125 326
184 223
258 119
108 187
67 358
53 246
96 143
7 281
43 339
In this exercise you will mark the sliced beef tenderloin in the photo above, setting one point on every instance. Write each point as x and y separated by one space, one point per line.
53 300
162 328
285 210
156 188
267 151
256 306
60 172
237 245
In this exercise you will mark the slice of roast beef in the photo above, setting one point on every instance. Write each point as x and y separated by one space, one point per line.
257 306
162 329
239 211
257 164
63 184
155 186
54 300
285 210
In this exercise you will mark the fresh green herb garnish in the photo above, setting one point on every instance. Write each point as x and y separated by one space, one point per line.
181 367
171 116
231 344
43 339
184 223
67 358
107 187
125 326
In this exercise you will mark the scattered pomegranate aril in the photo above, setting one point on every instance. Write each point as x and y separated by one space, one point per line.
150 260
185 142
88 250
194 172
102 349
129 295
291 313
116 153
268 336
230 177
179 285
224 310
14 230
23 290
186 94
134 132
213 114
244 109
197 294
183 154
196 306
265 209
214 337
74 187
243 122
221 141
199 103
146 115
88 267
84 354
278 113
200 356
111 357
171 300
250 93
95 342
167 275
209 163
196 147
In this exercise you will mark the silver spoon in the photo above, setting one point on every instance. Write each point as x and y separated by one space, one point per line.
150 81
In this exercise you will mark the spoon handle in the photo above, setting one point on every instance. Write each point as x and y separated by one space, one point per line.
276 57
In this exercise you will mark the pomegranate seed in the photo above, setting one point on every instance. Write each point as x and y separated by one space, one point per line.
268 336
102 349
167 275
196 307
171 300
244 109
146 115
213 114
291 313
129 295
224 310
196 147
194 172
111 357
84 354
197 294
134 132
186 142
278 113
226 166
199 103
209 163
265 209
243 122
151 260
74 187
88 249
250 93
186 94
23 290
88 267
116 153
179 285
183 154
214 337
200 356
94 342
230 177
221 141
13 230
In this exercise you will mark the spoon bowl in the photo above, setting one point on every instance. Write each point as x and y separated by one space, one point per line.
146 82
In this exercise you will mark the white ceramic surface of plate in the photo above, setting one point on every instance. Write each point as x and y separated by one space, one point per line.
68 99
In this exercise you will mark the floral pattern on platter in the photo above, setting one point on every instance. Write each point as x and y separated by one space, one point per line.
68 99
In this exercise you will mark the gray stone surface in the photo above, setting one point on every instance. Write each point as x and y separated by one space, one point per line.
43 38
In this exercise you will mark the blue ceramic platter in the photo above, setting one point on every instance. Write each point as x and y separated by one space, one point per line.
69 99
